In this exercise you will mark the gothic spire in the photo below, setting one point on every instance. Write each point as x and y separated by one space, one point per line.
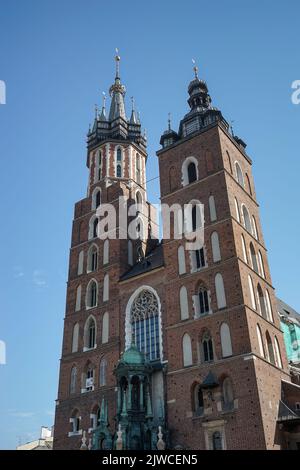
133 119
117 92
102 116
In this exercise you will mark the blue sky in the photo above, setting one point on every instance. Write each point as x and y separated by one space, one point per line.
56 59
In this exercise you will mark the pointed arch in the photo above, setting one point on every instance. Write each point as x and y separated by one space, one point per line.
75 337
220 291
278 359
246 219
73 380
103 372
184 306
261 346
227 394
96 198
269 307
106 288
92 258
78 298
187 350
253 258
261 264
105 328
106 251
237 210
93 227
181 260
119 162
215 246
262 303
201 301
248 184
206 347
188 171
244 249
91 298
229 161
90 334
271 355
80 262
251 290
239 174
254 228
225 340
212 208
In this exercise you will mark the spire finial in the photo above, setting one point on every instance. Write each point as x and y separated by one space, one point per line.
96 111
169 121
117 59
231 127
132 103
195 68
103 99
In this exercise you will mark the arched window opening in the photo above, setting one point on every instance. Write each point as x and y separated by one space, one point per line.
251 289
187 350
192 172
106 251
277 353
90 334
202 301
244 249
239 174
246 219
254 226
262 303
92 294
78 299
225 340
75 338
269 307
106 288
220 291
95 228
80 263
145 324
138 168
215 245
75 421
103 370
196 217
198 401
105 328
271 354
119 163
98 199
184 307
261 264
90 379
92 258
207 348
237 210
212 208
228 398
73 380
253 258
181 260
261 346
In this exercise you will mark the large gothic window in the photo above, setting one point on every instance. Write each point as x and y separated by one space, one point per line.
144 320
192 172
119 163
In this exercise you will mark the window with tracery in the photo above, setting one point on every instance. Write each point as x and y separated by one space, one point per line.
145 324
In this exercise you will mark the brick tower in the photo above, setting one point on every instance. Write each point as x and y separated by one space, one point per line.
225 351
164 342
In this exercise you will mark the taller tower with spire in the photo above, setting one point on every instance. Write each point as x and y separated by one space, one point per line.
94 323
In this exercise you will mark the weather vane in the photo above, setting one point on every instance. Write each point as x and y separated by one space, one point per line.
195 68
169 121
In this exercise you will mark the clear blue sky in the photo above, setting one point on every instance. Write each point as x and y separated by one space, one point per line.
56 59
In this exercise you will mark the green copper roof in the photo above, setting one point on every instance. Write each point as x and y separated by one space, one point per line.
133 356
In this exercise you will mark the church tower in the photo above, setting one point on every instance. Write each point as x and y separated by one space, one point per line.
94 324
225 350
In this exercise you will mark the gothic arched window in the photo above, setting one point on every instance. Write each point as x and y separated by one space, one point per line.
73 379
239 174
138 168
119 163
207 348
144 319
92 258
92 294
192 172
102 375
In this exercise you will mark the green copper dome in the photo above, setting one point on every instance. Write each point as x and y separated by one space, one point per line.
133 356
